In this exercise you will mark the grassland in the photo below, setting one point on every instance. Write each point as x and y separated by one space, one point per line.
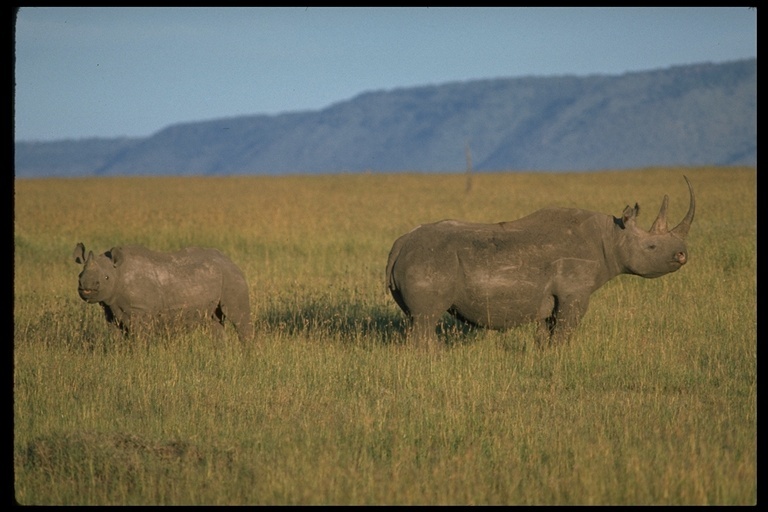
654 401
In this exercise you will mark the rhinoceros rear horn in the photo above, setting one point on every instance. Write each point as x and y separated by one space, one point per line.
681 229
660 224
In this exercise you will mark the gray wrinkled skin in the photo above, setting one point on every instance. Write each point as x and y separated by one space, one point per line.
140 288
542 267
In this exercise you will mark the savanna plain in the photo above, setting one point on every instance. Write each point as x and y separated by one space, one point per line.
653 400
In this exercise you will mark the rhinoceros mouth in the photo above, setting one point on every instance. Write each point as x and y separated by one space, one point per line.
674 266
86 293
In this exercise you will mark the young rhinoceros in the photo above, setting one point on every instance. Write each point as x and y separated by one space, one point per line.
542 267
139 288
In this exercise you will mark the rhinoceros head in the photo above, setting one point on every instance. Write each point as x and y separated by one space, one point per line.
98 279
658 251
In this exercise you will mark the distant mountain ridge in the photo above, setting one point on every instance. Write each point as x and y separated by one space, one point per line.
700 114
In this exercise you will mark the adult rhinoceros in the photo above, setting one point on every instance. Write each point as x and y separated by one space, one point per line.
541 268
139 287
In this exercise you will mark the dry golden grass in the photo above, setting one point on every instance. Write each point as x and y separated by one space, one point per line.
653 401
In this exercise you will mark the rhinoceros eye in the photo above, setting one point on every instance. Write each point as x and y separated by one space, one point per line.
652 246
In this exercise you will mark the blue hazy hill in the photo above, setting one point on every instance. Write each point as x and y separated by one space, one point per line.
700 114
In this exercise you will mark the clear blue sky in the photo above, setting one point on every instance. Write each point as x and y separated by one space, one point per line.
111 72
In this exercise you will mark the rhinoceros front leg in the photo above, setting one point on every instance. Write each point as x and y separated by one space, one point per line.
119 322
559 326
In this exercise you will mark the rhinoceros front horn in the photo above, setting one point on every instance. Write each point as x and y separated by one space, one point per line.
681 229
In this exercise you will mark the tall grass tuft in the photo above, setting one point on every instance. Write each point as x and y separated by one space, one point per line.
653 402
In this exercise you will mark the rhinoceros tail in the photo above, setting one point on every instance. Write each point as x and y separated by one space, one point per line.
394 289
393 254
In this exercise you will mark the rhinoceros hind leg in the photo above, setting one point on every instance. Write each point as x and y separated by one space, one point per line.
239 313
423 330
544 328
244 327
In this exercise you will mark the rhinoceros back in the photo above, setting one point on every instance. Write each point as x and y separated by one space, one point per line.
191 278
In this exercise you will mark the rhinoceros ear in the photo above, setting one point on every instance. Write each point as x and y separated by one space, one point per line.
629 215
79 253
117 256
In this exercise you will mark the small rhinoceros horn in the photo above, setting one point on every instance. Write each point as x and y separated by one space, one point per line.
660 224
